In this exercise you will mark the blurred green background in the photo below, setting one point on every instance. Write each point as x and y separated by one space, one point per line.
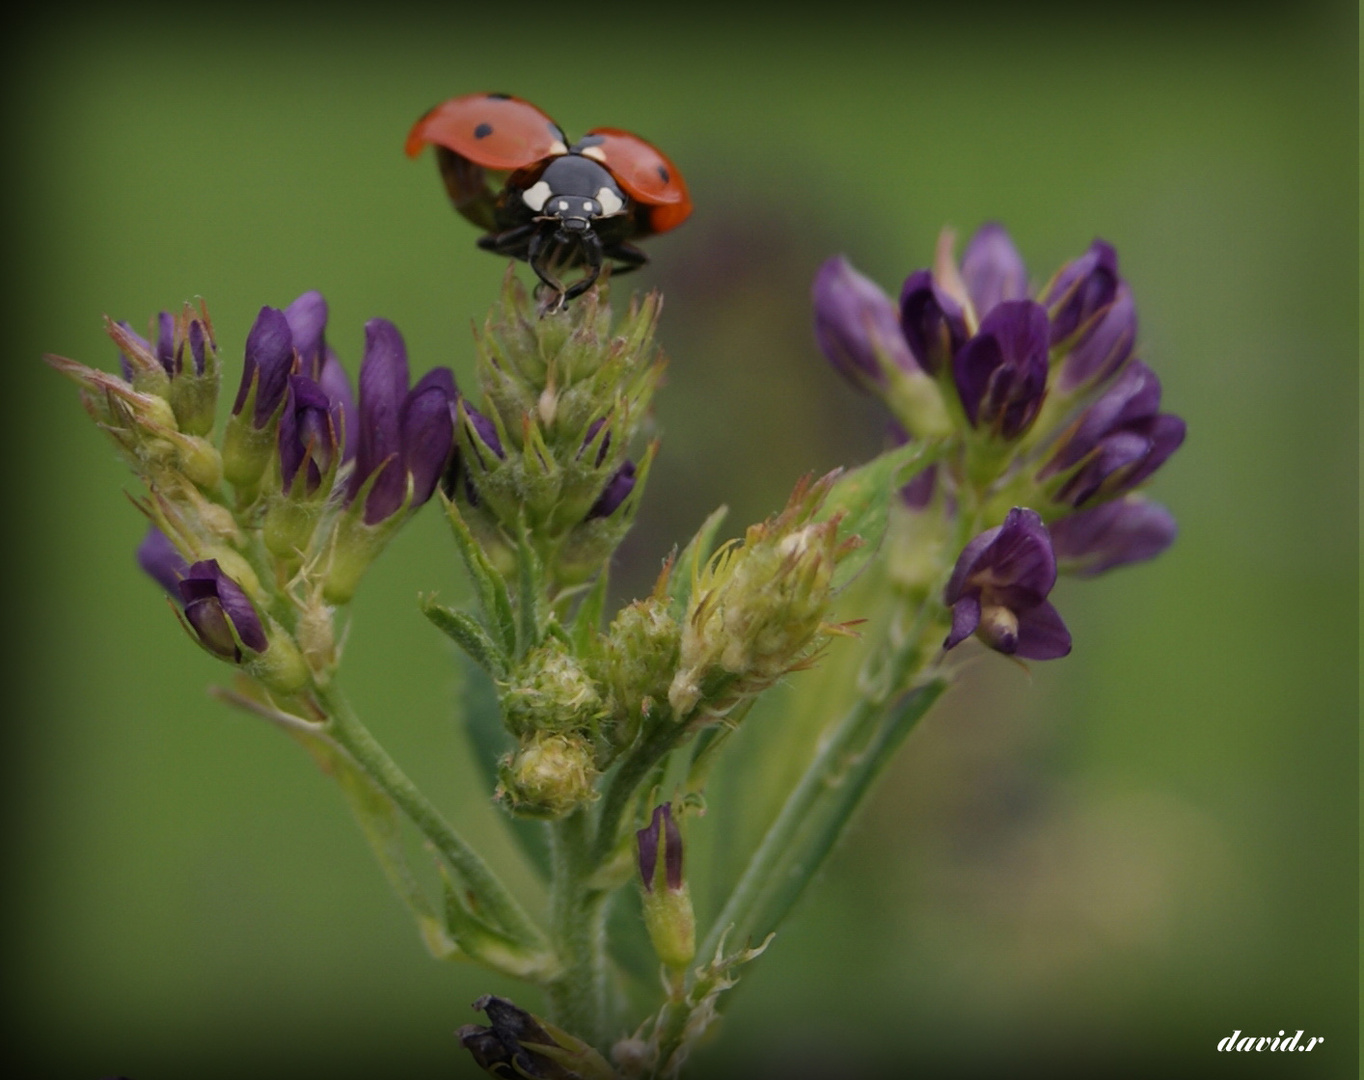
1100 869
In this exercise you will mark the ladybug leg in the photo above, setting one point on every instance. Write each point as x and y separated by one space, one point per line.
592 256
513 242
628 256
537 254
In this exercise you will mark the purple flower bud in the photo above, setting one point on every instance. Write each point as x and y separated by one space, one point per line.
125 365
270 360
336 386
165 341
161 561
219 612
933 323
307 434
307 317
998 591
992 269
1112 534
592 430
201 347
1001 373
428 431
486 431
1104 349
856 325
379 440
401 432
620 485
1081 290
661 827
1118 441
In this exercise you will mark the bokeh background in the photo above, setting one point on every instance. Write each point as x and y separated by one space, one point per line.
1100 868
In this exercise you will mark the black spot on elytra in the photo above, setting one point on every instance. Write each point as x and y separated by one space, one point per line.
499 97
663 174
589 140
483 131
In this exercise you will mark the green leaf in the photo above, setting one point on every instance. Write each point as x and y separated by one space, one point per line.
490 586
466 632
587 619
863 497
488 945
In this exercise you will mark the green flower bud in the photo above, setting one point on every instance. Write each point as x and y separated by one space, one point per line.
640 660
551 692
549 776
757 610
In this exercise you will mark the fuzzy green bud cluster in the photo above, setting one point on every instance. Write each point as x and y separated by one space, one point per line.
757 610
640 659
563 397
548 776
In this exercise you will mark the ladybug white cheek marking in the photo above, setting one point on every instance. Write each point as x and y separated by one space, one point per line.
596 153
610 202
535 195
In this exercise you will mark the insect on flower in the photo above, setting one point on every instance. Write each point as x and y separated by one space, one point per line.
510 170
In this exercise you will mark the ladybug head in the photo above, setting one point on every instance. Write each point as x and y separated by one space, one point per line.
574 191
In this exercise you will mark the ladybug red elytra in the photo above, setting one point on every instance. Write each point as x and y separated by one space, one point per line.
510 170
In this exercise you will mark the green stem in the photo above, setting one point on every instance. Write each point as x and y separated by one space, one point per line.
632 771
578 913
832 787
493 898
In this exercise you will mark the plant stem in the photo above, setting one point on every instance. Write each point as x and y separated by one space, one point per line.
578 913
835 782
493 897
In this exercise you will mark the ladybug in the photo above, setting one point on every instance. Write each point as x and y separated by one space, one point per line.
510 170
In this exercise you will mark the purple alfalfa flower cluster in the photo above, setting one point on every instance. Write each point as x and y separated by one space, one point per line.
258 536
1043 420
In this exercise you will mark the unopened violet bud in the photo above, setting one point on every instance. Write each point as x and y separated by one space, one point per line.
857 326
379 445
992 269
662 831
307 437
1100 353
336 386
998 591
933 322
165 341
1081 290
307 317
666 900
605 444
200 348
161 561
269 361
125 365
1001 373
219 613
486 434
615 492
1113 534
1118 442
428 432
